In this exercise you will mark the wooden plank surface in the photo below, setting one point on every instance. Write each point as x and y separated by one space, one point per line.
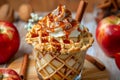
90 72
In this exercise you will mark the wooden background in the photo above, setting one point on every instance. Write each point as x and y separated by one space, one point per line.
48 5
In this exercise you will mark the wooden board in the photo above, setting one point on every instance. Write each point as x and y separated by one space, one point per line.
90 72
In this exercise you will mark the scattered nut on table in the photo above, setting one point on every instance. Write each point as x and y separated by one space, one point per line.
24 11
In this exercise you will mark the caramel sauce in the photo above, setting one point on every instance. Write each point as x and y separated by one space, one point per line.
54 40
51 29
79 29
74 23
56 45
44 40
45 34
34 35
67 34
50 22
60 9
51 18
65 24
61 23
66 41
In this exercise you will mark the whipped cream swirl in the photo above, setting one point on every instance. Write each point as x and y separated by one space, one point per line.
59 23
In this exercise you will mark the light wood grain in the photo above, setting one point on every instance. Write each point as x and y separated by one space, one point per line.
90 72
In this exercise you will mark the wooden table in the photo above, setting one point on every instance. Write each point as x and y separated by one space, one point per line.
88 20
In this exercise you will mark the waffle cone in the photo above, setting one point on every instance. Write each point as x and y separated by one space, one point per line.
57 66
65 64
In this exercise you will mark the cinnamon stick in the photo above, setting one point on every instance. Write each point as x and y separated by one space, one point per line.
81 9
24 67
95 62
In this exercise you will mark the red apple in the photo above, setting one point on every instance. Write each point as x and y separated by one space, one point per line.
108 35
117 59
8 74
9 41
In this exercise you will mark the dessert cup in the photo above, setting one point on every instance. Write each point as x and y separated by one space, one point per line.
60 67
66 66
59 55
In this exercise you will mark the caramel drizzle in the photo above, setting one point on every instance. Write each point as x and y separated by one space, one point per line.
65 24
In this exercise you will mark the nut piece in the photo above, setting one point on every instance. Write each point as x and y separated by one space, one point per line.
24 12
6 13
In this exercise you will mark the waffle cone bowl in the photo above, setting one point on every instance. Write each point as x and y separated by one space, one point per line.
60 67
51 64
59 57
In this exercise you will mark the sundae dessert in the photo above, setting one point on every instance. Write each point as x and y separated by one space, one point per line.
60 44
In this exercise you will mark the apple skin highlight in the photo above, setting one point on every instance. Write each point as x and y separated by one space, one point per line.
9 74
108 35
9 41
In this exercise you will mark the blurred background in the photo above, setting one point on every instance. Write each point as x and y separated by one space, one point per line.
48 5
